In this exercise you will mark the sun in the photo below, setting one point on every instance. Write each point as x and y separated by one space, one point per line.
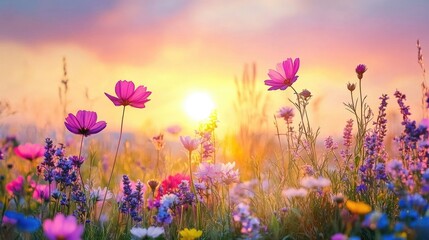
198 105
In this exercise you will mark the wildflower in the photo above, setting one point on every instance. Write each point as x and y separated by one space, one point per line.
84 123
62 227
376 220
15 187
41 193
97 194
23 223
287 114
171 183
153 184
29 151
307 170
312 182
229 175
351 87
127 94
250 225
190 234
294 192
158 141
347 133
151 232
305 95
360 70
174 129
284 75
209 172
329 144
360 208
339 236
189 143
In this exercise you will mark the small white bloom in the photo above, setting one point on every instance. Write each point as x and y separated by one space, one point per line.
138 233
154 232
293 192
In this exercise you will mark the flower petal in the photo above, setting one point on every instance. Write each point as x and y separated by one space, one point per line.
97 127
115 100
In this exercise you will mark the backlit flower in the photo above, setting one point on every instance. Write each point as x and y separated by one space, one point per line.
312 182
351 87
97 194
127 94
293 192
360 208
41 192
30 151
84 123
189 143
15 187
62 227
286 113
305 94
190 234
360 70
284 75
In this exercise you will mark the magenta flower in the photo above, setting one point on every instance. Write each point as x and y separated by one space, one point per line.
84 123
41 192
30 151
189 143
284 75
16 186
127 94
286 113
62 227
360 70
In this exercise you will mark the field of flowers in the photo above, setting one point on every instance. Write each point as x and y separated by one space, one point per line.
364 186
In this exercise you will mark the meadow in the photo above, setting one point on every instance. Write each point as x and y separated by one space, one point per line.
293 185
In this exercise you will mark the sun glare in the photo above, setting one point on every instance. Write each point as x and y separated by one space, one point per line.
198 105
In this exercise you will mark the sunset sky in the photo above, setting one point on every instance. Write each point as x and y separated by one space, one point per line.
177 47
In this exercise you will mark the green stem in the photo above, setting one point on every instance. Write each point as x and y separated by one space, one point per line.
114 163
194 191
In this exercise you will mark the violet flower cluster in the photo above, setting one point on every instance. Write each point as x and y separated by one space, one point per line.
132 200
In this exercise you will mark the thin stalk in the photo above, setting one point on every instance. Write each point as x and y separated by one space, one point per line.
80 154
194 191
114 163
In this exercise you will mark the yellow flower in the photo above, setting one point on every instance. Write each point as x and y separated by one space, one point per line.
190 234
360 208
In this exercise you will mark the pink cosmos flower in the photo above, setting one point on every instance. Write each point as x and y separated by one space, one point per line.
84 123
30 151
127 94
15 187
189 143
62 227
284 75
41 192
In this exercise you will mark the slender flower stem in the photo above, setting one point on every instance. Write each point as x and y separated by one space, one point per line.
80 154
114 163
194 190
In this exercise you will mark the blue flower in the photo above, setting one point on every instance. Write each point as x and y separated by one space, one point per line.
23 223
